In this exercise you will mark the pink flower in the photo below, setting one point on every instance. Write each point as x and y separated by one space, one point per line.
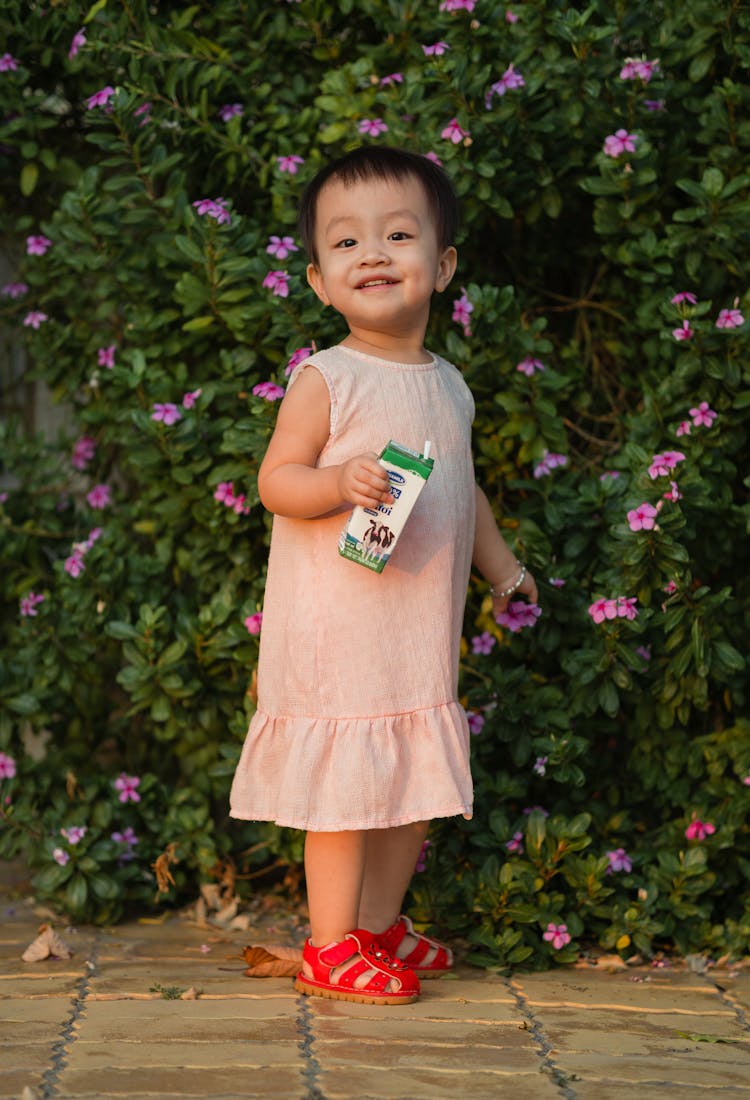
746 780
557 582
84 450
703 416
434 158
167 413
106 356
638 70
684 296
254 622
269 390
7 766
37 245
613 474
642 518
684 332
623 607
94 534
231 110
60 856
224 493
213 208
462 310
729 318
662 464
392 78
8 63
281 247
372 126
189 399
128 785
511 17
619 860
14 290
239 505
35 319
683 428
548 463
127 836
673 493
79 41
143 112
100 98
699 830
437 50
670 587
620 142
30 603
516 843
557 935
509 81
457 5
476 721
422 857
529 366
298 356
483 643
278 282
74 834
290 164
517 615
74 565
99 496
453 132
644 652
626 608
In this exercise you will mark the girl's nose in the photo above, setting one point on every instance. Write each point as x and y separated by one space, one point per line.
374 253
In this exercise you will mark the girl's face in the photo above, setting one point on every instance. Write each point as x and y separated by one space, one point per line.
379 261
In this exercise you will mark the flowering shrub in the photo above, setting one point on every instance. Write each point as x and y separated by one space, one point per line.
151 162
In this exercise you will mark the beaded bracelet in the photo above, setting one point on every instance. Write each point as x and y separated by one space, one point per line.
503 592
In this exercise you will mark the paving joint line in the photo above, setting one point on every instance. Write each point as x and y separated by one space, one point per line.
68 1033
542 1040
730 1001
310 1065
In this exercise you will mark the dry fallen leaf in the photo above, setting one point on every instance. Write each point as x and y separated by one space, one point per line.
47 945
272 961
191 994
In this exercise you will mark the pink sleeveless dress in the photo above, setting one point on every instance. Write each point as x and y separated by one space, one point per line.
358 725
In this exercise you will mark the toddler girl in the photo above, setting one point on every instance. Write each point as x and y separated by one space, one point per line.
358 737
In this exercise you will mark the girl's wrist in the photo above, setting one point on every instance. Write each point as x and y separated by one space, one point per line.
501 592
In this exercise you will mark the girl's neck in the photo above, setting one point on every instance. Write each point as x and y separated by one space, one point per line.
396 351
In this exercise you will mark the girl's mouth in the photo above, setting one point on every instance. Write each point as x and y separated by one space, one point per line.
375 282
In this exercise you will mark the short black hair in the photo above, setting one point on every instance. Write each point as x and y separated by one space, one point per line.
383 162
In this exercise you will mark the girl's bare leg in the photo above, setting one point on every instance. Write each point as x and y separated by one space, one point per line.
390 859
334 870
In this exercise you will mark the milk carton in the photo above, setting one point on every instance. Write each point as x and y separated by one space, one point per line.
371 533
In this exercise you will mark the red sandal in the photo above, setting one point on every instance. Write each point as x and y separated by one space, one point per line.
441 961
356 968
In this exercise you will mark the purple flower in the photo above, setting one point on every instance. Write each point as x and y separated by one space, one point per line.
79 41
462 311
548 463
536 809
729 318
290 164
372 126
620 142
278 282
619 860
529 366
127 836
254 622
653 104
703 416
30 603
106 356
509 81
437 50
517 615
35 319
128 785
14 290
281 247
516 843
60 856
74 834
475 720
455 133
540 765
298 356
483 643
269 390
644 652
189 399
214 208
392 78
642 518
99 497
457 5
8 63
557 582
167 413
663 464
557 935
231 110
683 332
83 451
684 296
37 245
100 98
7 766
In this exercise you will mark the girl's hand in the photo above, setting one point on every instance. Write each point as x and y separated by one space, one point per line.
528 589
362 480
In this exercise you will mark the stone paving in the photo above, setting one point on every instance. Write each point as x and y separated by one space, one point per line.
104 1024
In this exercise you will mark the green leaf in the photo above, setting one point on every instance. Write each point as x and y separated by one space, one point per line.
29 178
197 324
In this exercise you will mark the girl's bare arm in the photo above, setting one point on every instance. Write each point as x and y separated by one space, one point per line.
494 559
289 483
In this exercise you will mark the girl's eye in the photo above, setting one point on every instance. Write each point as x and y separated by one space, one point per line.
399 235
346 243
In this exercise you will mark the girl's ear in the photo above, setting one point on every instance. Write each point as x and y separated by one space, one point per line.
315 279
446 268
